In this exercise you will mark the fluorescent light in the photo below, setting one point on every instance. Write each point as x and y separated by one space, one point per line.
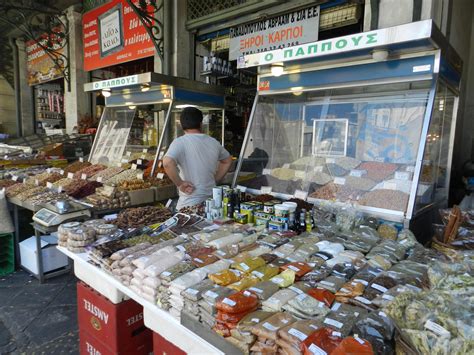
145 87
277 69
132 107
184 106
297 90
379 55
106 92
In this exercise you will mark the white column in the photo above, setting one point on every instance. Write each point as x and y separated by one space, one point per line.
77 102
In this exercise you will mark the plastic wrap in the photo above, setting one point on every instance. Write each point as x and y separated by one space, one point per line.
269 327
306 307
332 283
284 279
353 345
249 264
238 302
278 300
264 289
266 272
225 277
322 341
244 283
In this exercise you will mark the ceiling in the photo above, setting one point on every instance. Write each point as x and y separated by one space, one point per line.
15 16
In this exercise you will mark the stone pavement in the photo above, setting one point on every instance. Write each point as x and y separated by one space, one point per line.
38 319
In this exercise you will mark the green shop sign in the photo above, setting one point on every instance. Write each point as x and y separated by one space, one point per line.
404 33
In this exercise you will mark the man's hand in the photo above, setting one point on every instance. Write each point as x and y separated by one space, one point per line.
186 187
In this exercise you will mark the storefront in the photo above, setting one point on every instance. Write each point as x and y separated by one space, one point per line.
309 251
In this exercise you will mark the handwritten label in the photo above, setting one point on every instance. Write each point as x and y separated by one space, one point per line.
339 181
241 188
100 179
363 300
333 322
229 302
302 195
15 178
70 175
267 171
389 185
437 329
140 176
211 294
134 167
192 291
295 332
403 175
84 176
266 189
139 162
379 288
49 185
358 173
269 326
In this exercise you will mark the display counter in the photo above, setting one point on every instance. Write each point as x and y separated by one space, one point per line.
155 319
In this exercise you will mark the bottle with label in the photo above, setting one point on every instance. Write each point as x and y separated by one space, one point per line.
230 206
309 222
302 224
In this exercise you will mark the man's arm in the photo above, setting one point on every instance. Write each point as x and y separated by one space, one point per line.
223 167
172 171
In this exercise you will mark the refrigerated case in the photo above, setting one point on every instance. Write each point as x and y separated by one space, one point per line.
355 131
142 114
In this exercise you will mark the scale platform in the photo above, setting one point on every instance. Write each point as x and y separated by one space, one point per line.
55 213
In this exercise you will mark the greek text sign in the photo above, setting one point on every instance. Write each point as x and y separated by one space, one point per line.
393 35
276 32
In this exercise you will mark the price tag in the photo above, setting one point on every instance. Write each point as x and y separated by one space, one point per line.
316 350
60 189
339 181
128 154
168 204
380 160
437 329
410 169
15 178
318 169
330 160
358 173
61 172
139 162
286 166
119 165
140 176
145 150
134 167
70 175
160 176
100 179
48 170
267 171
37 183
83 176
143 156
266 189
302 195
390 185
49 185
300 174
403 175
81 159
241 188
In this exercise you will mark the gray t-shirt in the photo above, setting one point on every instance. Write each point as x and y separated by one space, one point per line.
197 156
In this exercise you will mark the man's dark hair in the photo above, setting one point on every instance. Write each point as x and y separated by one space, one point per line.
191 118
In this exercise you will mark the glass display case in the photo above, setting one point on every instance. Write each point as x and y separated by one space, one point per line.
370 134
143 115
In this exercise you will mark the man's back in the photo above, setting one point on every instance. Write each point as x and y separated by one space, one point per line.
197 156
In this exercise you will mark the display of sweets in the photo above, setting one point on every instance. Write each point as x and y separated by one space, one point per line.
351 284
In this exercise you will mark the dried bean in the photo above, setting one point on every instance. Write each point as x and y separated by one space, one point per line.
388 199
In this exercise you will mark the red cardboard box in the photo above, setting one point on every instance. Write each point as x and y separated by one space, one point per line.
117 326
161 346
89 345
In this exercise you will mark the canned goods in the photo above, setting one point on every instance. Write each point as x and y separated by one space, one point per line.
262 215
269 208
241 218
261 222
216 213
217 196
282 211
209 204
276 226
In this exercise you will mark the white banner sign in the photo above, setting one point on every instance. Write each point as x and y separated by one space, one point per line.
287 30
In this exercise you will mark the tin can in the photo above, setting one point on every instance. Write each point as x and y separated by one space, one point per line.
247 209
269 208
276 226
217 196
261 221
216 213
209 204
241 218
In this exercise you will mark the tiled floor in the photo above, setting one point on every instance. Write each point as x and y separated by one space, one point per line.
38 319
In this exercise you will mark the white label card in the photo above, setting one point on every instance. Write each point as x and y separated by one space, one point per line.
124 161
403 175
229 302
241 188
286 166
128 154
437 329
84 176
390 185
100 179
60 189
318 169
15 178
267 171
302 195
168 204
49 185
37 183
140 176
295 332
160 176
333 322
70 175
316 350
266 189
358 173
119 165
81 160
139 162
145 150
339 181
410 169
134 167
61 172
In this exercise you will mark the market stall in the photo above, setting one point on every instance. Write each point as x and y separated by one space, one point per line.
364 121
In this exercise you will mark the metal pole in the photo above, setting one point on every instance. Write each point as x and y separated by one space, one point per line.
16 80
162 137
244 143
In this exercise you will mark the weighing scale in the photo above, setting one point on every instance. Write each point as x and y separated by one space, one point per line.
55 213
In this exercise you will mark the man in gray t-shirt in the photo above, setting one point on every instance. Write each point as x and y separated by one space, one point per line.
201 161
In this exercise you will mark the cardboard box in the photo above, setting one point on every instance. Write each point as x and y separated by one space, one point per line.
52 258
116 326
